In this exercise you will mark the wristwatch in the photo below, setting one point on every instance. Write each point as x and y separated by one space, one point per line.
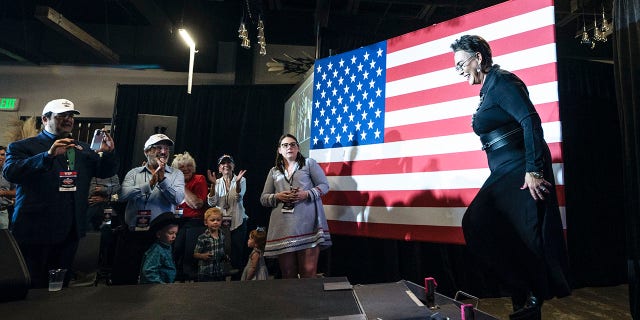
537 175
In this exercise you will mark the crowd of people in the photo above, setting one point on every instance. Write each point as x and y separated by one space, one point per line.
172 220
513 224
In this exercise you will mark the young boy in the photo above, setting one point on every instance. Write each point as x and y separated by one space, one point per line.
209 248
157 263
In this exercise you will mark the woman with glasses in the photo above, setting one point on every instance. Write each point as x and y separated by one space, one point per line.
227 192
298 226
513 224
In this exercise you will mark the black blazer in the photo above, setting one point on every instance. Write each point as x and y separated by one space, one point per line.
42 214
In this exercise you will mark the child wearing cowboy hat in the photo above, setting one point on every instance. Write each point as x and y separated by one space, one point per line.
157 264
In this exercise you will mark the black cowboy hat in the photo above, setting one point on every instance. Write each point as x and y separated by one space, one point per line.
163 220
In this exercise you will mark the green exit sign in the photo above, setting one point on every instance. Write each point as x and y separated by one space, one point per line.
9 104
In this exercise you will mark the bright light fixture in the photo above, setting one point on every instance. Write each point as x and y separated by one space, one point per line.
192 55
186 37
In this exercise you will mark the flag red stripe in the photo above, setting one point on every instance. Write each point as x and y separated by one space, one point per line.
464 23
426 163
548 112
517 42
405 232
531 76
443 198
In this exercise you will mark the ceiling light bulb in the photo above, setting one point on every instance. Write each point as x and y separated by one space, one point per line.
187 38
585 36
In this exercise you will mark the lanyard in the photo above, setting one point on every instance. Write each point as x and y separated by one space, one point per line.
227 190
290 179
71 158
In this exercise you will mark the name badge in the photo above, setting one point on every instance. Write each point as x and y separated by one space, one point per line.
178 212
143 220
287 207
107 214
68 181
226 221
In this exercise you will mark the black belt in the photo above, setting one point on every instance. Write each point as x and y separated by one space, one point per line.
502 136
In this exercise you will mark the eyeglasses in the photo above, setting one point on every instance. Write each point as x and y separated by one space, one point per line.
286 145
461 66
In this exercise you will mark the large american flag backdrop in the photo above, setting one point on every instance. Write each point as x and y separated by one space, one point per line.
390 122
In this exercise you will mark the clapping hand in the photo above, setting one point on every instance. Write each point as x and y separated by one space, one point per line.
158 174
240 175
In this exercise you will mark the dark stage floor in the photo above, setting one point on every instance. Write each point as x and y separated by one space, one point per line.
584 304
590 303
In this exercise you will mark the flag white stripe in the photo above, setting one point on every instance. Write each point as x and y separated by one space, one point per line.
438 180
539 94
431 216
497 30
418 147
513 62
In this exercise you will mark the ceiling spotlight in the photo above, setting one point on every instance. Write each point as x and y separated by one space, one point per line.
192 55
186 37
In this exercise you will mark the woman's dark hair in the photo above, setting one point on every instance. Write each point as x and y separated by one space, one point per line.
473 44
280 159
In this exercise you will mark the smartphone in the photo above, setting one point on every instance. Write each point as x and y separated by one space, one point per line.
96 142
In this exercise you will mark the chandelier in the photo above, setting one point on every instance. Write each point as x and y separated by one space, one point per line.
600 30
243 33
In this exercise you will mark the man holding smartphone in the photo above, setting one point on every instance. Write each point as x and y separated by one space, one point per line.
52 171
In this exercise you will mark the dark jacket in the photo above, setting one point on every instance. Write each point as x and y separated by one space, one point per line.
43 214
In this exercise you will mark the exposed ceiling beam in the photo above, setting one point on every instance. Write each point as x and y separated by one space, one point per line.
59 23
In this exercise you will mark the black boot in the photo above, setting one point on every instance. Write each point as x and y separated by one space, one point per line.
532 310
518 300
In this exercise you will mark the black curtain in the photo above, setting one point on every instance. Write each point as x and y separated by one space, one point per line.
593 176
244 121
626 48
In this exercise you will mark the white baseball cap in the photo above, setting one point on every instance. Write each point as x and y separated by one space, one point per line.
154 139
59 106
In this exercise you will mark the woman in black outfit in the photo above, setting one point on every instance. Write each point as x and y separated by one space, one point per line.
513 224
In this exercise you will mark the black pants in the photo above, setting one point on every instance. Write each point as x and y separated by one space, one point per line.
130 248
40 258
183 246
503 229
238 247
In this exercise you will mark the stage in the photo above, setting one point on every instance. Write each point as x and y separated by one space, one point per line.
321 298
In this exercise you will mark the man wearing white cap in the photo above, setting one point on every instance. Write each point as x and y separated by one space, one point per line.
52 172
149 190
